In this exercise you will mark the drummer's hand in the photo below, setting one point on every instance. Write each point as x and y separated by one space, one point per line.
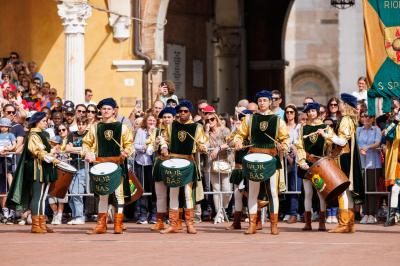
214 153
124 154
56 161
89 158
202 148
321 132
224 147
164 152
304 166
239 145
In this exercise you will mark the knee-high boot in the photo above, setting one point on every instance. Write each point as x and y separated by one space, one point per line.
343 226
307 220
101 226
189 214
237 216
274 223
173 222
252 225
322 217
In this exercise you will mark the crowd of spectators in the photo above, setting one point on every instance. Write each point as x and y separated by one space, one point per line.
25 91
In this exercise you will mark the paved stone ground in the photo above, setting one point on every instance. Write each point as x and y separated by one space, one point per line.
213 245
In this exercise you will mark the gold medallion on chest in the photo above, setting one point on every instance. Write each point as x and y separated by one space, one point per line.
182 135
263 125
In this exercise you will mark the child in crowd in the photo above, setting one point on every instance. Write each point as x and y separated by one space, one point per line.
7 144
166 91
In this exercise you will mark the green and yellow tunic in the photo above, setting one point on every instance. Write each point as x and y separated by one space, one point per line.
32 167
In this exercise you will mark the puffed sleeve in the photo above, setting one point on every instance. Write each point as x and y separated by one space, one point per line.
283 134
89 141
37 148
299 144
242 132
201 139
127 140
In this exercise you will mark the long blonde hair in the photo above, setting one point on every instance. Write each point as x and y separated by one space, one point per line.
351 112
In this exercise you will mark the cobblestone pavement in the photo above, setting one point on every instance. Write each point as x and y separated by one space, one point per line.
213 245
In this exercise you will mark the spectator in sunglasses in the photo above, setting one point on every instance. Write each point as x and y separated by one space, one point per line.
91 114
7 85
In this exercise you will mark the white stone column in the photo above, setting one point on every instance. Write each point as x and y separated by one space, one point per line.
74 14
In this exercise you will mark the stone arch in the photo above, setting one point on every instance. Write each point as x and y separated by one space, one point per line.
310 81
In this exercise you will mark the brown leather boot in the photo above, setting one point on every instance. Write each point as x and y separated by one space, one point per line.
237 216
118 219
101 226
180 220
343 226
160 222
173 220
274 223
307 220
43 225
252 225
352 228
259 223
189 214
322 219
36 225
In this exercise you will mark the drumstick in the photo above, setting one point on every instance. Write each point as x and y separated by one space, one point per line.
247 146
119 145
311 134
193 138
271 138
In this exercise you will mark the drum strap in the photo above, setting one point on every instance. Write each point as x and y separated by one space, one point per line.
272 151
182 156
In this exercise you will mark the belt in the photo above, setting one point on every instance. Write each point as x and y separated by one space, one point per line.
113 159
272 151
182 156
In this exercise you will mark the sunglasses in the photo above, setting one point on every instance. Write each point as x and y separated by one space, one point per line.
52 93
333 104
11 112
13 57
183 111
212 119
290 112
275 98
91 112
62 129
81 111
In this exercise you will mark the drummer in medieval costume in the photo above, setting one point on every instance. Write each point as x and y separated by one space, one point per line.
110 141
349 161
34 173
237 178
183 138
154 142
310 148
392 168
267 134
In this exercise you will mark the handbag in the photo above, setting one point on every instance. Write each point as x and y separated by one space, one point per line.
222 167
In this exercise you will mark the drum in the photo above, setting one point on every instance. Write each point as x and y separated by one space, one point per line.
65 174
258 167
177 172
106 177
135 187
328 178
